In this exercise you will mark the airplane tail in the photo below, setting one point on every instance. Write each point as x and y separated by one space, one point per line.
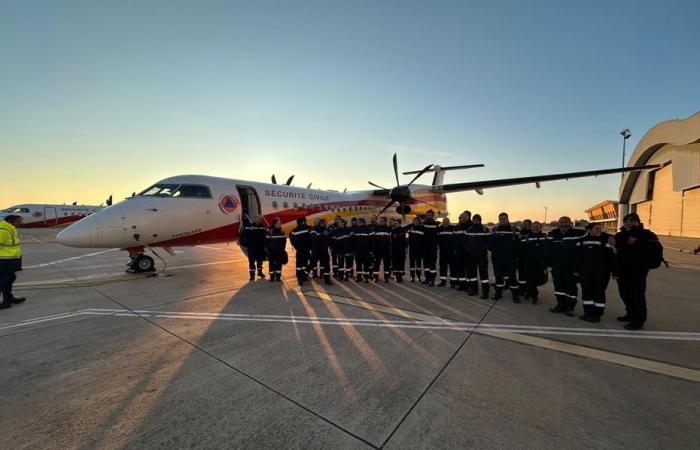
439 172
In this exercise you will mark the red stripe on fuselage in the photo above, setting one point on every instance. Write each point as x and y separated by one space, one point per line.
51 223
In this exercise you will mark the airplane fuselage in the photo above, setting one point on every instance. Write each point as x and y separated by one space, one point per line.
50 216
196 210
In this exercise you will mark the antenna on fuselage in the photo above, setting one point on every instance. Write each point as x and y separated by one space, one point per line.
289 180
309 186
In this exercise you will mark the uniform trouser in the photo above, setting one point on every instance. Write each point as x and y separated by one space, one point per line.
335 262
415 261
7 278
480 262
447 264
632 287
532 274
460 267
319 257
303 262
504 270
522 272
275 263
255 260
565 289
345 261
362 268
398 262
593 286
382 256
429 260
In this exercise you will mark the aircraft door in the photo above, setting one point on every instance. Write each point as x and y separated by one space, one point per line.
50 216
250 203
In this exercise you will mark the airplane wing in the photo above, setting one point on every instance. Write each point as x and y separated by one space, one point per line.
487 184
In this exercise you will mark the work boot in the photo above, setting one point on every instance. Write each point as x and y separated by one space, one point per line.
589 318
272 278
17 300
278 276
413 279
570 312
358 278
557 309
462 286
442 283
498 294
534 300
260 274
431 281
252 276
625 318
327 280
516 297
5 305
634 326
453 284
399 278
366 279
300 281
484 290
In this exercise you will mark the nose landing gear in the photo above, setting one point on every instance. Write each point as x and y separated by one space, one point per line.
139 262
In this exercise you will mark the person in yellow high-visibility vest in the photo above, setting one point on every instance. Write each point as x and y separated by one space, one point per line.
10 259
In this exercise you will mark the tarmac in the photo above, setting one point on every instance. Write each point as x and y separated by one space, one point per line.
197 356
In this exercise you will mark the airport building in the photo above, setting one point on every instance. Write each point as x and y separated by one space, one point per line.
666 199
605 213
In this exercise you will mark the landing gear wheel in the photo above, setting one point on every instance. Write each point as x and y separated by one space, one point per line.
143 263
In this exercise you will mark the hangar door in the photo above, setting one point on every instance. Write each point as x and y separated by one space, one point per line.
691 213
644 212
666 205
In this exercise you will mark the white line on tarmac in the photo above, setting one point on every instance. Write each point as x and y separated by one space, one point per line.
74 258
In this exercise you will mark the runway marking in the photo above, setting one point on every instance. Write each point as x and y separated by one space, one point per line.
74 258
601 355
75 281
211 248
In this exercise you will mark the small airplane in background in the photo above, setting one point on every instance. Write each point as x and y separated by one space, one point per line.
191 210
52 216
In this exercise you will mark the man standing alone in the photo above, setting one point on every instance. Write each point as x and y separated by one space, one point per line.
10 259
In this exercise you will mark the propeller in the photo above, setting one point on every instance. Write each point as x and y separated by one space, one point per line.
400 194
109 201
289 180
274 180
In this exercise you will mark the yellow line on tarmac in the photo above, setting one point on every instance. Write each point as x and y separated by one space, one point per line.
601 355
571 349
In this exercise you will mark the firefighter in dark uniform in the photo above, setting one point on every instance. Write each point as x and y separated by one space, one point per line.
533 261
505 242
253 238
372 268
415 249
301 241
335 263
399 243
478 238
461 253
525 230
276 242
595 259
445 238
430 243
342 242
561 258
320 241
361 245
638 250
381 247
351 227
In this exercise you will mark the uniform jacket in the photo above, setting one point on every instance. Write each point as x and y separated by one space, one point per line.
301 237
320 238
478 237
445 238
505 241
634 257
594 255
253 236
342 240
415 236
561 247
430 229
275 241
381 239
10 250
361 239
534 249
398 240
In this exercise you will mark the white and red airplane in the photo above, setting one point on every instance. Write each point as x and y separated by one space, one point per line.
51 216
197 210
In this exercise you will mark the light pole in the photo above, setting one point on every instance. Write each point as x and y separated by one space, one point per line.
625 135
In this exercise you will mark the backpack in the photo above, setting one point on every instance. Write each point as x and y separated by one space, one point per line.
656 253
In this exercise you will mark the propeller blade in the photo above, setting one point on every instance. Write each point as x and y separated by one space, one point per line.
385 208
403 212
274 180
425 169
396 170
377 186
289 180
109 201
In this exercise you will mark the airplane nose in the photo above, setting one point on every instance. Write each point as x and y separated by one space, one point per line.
78 234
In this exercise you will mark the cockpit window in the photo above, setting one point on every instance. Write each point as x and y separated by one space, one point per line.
177 190
193 190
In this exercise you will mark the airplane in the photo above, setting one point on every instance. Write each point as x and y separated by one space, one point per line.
50 215
189 210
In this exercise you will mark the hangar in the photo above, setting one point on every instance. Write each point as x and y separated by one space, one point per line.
666 199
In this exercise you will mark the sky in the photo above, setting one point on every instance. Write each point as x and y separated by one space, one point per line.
100 98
